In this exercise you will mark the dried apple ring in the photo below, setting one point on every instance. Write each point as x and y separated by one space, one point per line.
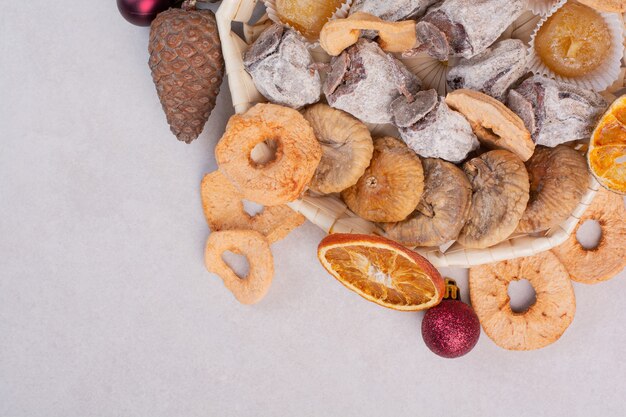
223 209
543 322
255 247
592 266
281 179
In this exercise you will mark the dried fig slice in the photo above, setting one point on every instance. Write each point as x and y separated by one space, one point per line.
223 209
442 210
500 194
558 180
542 323
493 123
347 148
391 186
255 247
592 266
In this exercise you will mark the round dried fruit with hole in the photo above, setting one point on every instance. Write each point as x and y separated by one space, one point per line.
558 180
255 247
391 186
542 323
223 209
347 148
608 258
500 194
283 178
442 211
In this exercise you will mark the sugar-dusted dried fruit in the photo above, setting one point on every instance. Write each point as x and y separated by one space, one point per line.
442 133
558 180
460 28
494 124
306 16
279 62
544 322
381 271
223 209
255 247
347 148
442 210
500 194
491 72
283 178
340 34
574 41
391 186
608 258
406 113
392 10
607 149
364 81
555 112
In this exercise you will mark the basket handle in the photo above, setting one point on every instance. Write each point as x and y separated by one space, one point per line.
242 88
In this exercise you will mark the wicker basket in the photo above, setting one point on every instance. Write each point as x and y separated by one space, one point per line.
330 213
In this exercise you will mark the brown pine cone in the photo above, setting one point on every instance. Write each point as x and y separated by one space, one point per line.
187 68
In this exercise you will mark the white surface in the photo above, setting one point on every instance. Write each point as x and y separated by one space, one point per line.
106 308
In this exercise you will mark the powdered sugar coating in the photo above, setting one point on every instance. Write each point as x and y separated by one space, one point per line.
392 10
556 112
493 71
364 82
279 63
443 134
466 27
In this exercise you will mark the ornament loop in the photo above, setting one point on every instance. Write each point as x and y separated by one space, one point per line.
452 290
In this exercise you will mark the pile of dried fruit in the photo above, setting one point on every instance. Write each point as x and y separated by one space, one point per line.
501 155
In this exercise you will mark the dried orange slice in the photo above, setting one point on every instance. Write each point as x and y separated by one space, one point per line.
607 149
382 271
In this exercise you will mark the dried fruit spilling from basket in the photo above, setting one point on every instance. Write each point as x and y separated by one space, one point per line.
418 134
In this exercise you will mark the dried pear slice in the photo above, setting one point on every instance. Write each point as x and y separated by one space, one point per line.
442 211
558 180
493 123
391 186
500 194
347 148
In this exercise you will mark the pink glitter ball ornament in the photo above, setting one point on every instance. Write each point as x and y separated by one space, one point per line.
451 328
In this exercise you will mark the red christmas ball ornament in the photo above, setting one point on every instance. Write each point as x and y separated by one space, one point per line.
451 328
142 12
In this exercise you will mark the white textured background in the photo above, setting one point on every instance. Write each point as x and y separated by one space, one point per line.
106 308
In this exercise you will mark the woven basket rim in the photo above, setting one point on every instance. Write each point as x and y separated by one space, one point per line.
245 95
